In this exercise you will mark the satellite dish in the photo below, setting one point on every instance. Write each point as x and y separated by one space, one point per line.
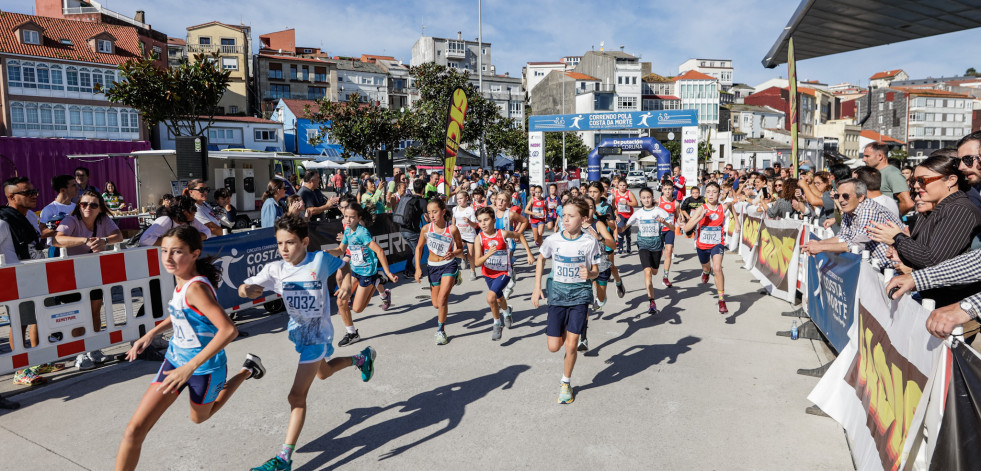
670 136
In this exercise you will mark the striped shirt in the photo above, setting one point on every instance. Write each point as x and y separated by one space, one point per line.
853 228
944 233
961 270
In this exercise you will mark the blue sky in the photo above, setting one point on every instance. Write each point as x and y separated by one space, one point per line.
663 32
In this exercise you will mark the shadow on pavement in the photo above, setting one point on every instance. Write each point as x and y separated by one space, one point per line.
638 358
424 410
745 300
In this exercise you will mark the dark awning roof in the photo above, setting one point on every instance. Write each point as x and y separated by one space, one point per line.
825 27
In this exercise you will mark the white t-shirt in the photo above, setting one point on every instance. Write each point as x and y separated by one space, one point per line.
646 221
54 211
163 224
888 203
462 218
206 214
569 256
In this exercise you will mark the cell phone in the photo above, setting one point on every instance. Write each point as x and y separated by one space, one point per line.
766 192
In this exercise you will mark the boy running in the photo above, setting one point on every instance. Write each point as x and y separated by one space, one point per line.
491 253
624 202
710 242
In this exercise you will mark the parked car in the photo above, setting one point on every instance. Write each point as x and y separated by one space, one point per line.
636 178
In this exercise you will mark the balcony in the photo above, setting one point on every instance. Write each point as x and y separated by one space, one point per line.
210 48
456 49
599 87
271 95
399 91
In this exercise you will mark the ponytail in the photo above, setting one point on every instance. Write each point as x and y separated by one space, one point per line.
192 238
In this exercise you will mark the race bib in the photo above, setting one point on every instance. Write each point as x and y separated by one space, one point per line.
711 235
623 206
498 261
357 255
551 205
438 244
304 298
649 228
184 335
566 269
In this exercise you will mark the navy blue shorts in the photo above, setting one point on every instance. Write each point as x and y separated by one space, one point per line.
667 237
705 255
366 281
437 272
563 319
204 388
496 285
604 277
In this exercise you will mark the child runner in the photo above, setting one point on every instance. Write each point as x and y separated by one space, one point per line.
508 220
574 262
596 226
710 242
650 220
479 200
605 211
365 254
552 203
445 246
495 264
466 222
196 355
670 206
301 278
536 209
624 202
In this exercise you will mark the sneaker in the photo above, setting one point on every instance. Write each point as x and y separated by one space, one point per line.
621 290
28 377
722 307
387 300
368 366
96 356
275 464
441 338
653 308
349 338
473 276
666 282
496 331
50 368
598 305
705 277
8 404
254 364
459 278
507 291
83 362
509 317
55 337
583 344
565 393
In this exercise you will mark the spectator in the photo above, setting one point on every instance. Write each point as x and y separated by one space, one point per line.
337 181
373 197
690 204
961 270
82 181
784 204
396 178
272 210
181 211
431 189
295 207
198 190
893 184
409 214
969 151
62 206
873 179
164 205
114 200
224 209
313 199
89 228
858 213
817 193
338 212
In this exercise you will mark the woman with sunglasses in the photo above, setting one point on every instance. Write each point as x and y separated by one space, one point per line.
944 233
181 211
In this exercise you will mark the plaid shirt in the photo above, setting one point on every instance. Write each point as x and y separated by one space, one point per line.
960 270
853 228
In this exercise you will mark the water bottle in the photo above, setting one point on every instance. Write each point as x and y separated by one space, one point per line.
793 331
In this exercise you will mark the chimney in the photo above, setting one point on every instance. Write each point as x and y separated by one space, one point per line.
140 16
459 35
621 48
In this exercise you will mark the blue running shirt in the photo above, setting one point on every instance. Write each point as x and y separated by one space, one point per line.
192 331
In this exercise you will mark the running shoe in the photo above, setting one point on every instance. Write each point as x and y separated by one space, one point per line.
387 300
598 305
653 308
367 366
50 368
496 331
509 317
441 338
583 342
722 307
621 290
565 393
705 277
254 364
666 282
508 289
96 356
473 275
275 464
349 338
459 278
83 362
28 377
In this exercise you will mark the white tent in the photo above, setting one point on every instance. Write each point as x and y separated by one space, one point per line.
326 164
350 165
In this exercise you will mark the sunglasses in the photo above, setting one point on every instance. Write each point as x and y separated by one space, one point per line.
87 205
924 181
968 160
27 193
202 189
844 196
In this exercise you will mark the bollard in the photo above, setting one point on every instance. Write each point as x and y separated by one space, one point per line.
958 333
63 253
3 259
875 263
865 253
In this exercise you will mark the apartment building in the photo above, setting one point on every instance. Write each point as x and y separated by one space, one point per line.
534 72
885 78
926 119
176 51
749 121
841 136
719 69
658 93
402 93
233 44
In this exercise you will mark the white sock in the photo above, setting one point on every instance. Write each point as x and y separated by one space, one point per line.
351 329
565 379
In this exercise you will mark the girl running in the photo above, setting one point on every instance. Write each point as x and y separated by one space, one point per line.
624 202
670 206
650 221
552 204
710 241
445 246
364 254
195 358
605 211
495 264
301 278
574 262
536 210
597 228
479 198
466 222
508 220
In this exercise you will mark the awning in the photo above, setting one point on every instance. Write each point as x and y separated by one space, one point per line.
824 27
253 155
138 153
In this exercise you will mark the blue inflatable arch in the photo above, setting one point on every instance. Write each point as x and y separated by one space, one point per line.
634 143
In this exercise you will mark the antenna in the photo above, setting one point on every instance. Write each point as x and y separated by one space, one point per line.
423 25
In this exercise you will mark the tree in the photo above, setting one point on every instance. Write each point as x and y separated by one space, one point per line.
675 148
900 154
504 136
576 152
971 72
361 128
182 98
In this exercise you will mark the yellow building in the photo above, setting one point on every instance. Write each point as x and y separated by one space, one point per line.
234 47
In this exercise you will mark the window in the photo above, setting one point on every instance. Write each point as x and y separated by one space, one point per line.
13 73
112 120
75 118
316 93
265 134
619 80
233 109
308 51
312 134
226 136
100 120
227 41
71 74
29 75
627 103
103 46
96 77
204 41
516 108
59 118
229 63
279 91
67 42
456 47
43 77
276 71
293 74
484 51
633 81
30 36
32 116
84 80
495 88
88 119
319 74
17 115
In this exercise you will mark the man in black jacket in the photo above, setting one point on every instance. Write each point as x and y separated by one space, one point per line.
415 214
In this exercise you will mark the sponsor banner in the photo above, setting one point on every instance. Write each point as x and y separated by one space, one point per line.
617 120
689 155
536 158
875 388
958 443
384 231
455 115
62 320
750 235
832 291
734 225
776 261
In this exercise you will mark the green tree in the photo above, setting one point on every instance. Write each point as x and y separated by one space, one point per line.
971 72
361 128
900 154
576 151
674 147
182 98
504 136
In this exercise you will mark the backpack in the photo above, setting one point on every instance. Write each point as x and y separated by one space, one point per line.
404 214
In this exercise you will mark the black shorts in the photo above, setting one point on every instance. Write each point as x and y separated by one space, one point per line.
563 319
649 259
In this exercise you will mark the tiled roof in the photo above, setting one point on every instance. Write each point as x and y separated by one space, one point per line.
886 74
292 58
299 106
358 66
240 28
241 119
78 32
914 91
693 75
869 134
579 76
176 41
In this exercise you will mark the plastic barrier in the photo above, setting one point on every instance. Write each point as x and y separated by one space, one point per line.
57 296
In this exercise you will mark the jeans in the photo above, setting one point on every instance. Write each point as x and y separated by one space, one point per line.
413 240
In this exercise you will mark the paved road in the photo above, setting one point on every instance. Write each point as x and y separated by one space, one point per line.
686 389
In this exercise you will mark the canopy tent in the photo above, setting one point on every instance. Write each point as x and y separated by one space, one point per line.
824 27
324 164
247 154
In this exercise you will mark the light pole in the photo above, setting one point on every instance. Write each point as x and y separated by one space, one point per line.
480 77
565 164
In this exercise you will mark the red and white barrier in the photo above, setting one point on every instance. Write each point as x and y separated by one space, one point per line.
58 293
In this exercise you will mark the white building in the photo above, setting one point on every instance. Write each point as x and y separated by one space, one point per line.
535 72
719 69
886 78
233 132
368 80
749 121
